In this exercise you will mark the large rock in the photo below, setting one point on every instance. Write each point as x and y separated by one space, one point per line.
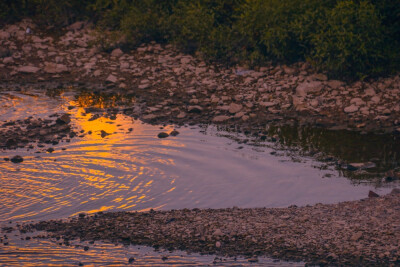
55 68
309 87
28 69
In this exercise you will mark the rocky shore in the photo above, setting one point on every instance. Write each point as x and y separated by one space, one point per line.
357 233
174 87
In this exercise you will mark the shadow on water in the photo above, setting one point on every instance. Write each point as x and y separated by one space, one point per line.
345 147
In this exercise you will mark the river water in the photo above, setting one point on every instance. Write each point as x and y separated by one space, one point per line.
202 167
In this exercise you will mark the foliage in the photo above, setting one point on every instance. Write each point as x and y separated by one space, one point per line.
345 38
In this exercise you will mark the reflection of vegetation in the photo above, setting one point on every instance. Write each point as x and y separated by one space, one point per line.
344 146
102 100
333 148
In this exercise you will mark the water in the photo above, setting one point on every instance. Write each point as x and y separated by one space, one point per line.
202 167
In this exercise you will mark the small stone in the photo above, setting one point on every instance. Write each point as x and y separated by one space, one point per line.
50 150
356 236
351 109
111 79
195 109
64 119
360 166
162 135
117 52
220 118
174 133
234 108
254 259
181 115
372 194
85 248
17 159
131 259
308 87
218 232
217 244
28 69
103 133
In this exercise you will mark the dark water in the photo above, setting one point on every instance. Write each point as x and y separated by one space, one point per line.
203 167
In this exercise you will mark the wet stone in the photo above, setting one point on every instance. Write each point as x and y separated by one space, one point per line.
17 159
162 135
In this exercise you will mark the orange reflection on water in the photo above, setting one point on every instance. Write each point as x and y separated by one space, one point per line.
95 172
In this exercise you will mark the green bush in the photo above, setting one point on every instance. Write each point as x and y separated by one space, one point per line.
349 41
345 38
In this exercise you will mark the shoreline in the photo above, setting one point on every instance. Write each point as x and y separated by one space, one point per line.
364 232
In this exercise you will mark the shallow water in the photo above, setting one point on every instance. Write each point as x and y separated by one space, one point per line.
135 170
132 169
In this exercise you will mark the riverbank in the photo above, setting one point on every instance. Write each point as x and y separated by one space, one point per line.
178 88
364 232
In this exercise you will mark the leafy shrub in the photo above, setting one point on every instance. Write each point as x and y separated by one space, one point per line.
346 38
349 40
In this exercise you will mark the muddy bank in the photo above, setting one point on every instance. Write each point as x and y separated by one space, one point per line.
179 88
364 232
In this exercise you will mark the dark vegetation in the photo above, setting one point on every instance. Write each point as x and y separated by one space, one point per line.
344 38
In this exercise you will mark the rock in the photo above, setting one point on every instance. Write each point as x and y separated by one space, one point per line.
111 79
321 77
17 159
309 87
195 109
76 26
64 119
55 68
267 104
174 133
372 194
254 259
234 108
351 109
117 52
103 133
218 232
131 259
149 117
357 236
217 244
181 115
28 69
97 73
221 118
162 135
8 60
50 150
360 166
4 35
